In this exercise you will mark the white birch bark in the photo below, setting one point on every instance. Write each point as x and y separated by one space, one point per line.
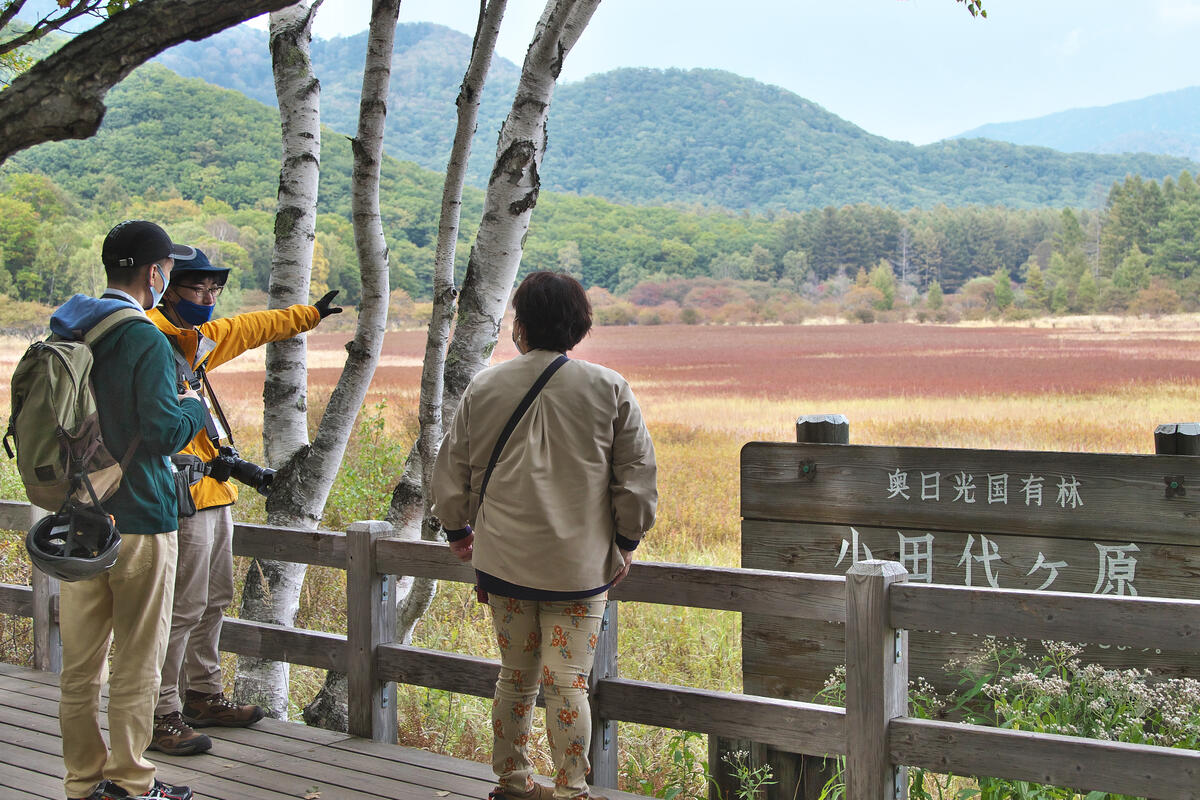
302 486
511 195
272 588
409 512
285 395
492 268
329 708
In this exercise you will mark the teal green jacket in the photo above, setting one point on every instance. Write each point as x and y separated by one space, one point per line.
133 375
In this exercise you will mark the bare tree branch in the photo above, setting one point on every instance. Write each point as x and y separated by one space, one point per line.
47 23
61 97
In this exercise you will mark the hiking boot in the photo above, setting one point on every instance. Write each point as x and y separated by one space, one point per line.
174 737
159 791
202 710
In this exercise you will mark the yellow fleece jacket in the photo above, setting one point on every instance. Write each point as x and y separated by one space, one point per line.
212 344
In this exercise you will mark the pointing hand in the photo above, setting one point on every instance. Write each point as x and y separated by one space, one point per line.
323 307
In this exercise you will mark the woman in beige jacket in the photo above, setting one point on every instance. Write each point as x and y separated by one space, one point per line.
570 495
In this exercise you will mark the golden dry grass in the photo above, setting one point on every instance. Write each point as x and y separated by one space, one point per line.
705 392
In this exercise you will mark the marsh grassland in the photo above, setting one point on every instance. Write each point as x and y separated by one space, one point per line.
1087 385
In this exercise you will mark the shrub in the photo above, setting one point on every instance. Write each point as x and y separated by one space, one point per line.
1004 686
649 316
1155 301
619 313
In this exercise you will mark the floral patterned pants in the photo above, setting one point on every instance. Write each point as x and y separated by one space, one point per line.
552 643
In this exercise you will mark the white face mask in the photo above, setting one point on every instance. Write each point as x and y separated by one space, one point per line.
157 294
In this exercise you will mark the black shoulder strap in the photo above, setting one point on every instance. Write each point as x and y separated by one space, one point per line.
526 402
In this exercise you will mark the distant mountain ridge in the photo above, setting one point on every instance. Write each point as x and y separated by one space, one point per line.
685 137
427 68
1167 123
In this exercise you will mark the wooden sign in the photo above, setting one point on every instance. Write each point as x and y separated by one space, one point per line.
1075 522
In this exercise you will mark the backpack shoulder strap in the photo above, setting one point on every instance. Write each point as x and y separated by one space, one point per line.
522 407
118 317
97 332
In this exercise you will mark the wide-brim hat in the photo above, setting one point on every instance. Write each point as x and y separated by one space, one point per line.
197 265
138 242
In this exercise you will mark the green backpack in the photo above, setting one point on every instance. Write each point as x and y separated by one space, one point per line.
60 453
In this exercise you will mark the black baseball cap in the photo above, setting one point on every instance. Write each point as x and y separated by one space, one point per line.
137 242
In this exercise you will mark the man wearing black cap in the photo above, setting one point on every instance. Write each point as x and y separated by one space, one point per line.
204 576
129 606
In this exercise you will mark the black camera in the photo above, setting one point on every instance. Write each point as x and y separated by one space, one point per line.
228 464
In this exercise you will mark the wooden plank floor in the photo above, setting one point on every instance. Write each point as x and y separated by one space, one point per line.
271 761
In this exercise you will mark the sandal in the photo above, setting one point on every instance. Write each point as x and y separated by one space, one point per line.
538 792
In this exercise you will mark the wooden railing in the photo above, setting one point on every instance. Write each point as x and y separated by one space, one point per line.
878 607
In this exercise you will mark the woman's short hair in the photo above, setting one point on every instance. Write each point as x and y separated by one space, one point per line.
554 309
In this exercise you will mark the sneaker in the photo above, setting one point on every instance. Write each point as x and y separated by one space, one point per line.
159 791
201 710
97 793
174 737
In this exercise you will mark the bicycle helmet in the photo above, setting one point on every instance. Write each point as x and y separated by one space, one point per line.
74 545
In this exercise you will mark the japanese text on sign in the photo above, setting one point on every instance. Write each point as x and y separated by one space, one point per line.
982 563
968 488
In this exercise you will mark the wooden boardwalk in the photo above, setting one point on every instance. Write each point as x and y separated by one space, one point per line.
271 761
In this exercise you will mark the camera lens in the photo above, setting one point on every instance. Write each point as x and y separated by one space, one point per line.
252 475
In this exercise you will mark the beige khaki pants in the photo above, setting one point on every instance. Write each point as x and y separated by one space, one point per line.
203 590
129 608
551 643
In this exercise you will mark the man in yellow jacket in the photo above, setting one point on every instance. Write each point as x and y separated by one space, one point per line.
204 577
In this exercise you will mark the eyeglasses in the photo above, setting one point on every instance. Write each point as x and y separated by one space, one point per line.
199 291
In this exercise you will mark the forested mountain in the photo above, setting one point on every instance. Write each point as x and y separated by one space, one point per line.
204 161
1167 123
695 137
427 69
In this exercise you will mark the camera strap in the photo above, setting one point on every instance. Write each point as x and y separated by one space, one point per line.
208 390
209 401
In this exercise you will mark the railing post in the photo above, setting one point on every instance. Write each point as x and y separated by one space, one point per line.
823 429
370 621
876 682
602 753
47 643
1177 439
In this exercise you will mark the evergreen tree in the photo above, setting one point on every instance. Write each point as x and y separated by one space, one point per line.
1133 272
1086 294
1038 297
1177 254
883 279
1060 299
1004 294
933 298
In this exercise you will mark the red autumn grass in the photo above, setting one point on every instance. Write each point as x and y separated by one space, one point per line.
848 361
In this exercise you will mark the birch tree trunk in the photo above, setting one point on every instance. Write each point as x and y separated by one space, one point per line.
329 708
301 488
272 588
410 503
372 251
511 195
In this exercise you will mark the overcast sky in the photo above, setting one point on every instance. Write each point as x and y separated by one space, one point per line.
916 70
